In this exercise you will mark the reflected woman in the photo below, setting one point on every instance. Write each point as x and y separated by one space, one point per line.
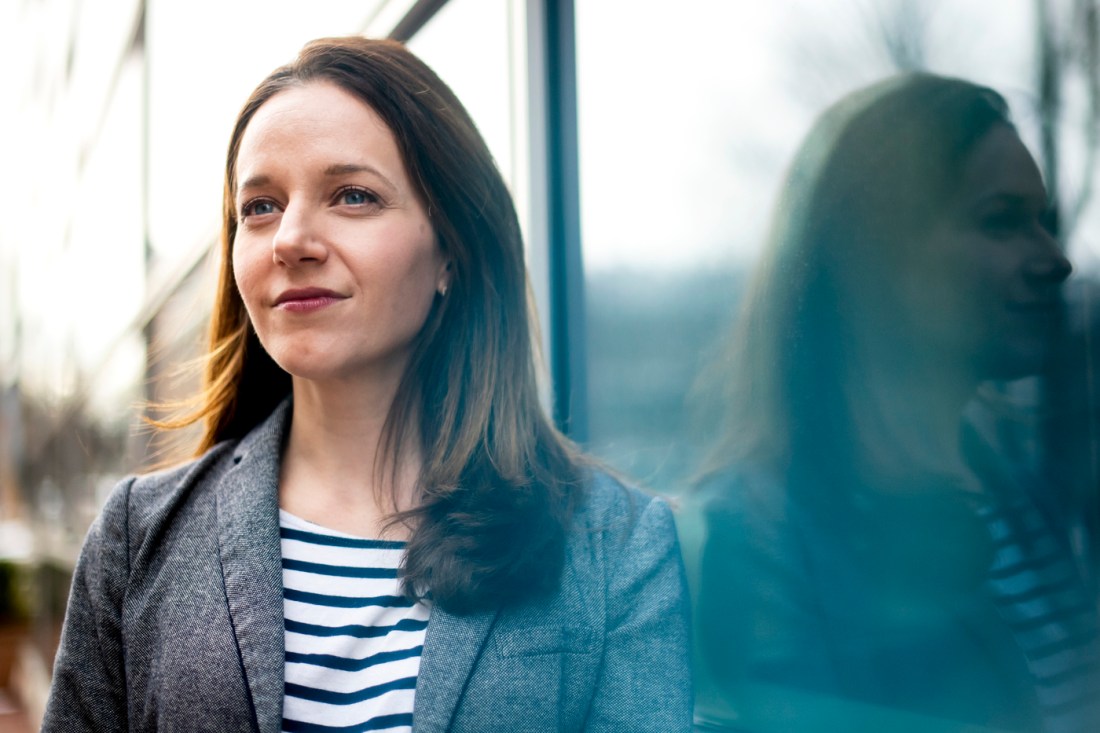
382 530
870 562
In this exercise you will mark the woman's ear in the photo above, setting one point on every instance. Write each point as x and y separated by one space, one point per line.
443 282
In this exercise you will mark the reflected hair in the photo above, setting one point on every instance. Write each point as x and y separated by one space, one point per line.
498 482
876 169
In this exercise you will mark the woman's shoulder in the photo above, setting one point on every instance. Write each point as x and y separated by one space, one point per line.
155 494
748 490
139 513
624 539
141 503
620 522
154 487
608 500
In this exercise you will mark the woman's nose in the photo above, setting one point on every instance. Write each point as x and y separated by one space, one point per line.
297 240
1050 264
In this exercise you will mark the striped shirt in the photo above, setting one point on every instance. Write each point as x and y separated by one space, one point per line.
1040 594
353 642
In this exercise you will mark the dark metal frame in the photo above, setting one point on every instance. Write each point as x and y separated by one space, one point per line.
568 342
415 19
552 55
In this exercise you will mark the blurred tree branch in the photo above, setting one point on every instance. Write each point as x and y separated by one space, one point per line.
1068 46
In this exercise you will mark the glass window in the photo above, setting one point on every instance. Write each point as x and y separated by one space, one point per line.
827 306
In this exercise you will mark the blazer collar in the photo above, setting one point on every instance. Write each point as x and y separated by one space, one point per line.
251 556
451 648
248 537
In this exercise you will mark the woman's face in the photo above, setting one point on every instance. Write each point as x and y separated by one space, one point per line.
983 284
334 256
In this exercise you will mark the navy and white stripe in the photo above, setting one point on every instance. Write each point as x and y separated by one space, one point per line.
1042 597
353 642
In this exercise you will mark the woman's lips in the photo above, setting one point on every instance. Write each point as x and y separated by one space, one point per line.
305 300
1037 307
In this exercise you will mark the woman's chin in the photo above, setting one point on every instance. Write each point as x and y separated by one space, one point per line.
1016 360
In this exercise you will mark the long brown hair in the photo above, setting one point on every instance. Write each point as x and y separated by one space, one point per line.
876 168
498 481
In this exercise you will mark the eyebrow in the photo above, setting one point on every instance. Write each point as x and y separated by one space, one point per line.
340 169
1011 199
337 169
254 182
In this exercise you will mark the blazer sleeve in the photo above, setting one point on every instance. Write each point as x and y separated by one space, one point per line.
88 692
645 678
757 620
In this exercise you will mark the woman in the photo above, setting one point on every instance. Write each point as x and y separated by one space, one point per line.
871 562
382 529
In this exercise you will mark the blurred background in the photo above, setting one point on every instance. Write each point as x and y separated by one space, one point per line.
644 141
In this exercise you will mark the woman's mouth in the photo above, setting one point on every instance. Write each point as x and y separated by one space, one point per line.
305 300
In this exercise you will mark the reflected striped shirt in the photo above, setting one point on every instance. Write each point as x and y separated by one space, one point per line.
353 642
1041 596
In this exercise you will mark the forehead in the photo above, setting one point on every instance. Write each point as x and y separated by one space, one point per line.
999 164
316 122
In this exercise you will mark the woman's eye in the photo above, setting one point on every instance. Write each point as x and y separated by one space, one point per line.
259 207
355 197
1005 222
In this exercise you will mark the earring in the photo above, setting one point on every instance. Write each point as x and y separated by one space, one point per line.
442 290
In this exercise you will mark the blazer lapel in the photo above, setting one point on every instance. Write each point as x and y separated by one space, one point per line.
251 557
451 648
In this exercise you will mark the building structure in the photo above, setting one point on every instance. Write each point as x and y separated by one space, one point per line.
643 142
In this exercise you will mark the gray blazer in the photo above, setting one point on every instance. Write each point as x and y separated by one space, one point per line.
798 631
175 622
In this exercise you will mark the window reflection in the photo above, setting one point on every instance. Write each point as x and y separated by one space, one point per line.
915 403
855 541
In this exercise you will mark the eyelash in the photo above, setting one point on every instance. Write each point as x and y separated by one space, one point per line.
370 198
249 208
1005 220
1009 223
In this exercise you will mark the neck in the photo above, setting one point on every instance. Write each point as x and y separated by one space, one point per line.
910 426
336 469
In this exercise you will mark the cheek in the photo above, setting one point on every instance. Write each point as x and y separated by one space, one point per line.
245 275
991 271
414 287
952 269
414 259
935 290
